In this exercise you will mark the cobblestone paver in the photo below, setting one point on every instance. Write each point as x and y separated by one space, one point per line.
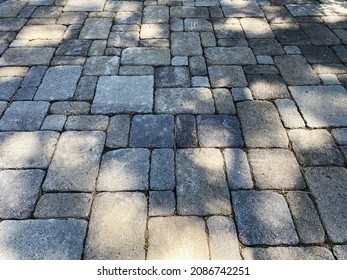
173 129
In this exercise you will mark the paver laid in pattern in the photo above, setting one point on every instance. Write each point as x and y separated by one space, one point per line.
169 129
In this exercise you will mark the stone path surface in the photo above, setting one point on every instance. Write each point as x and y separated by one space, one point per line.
173 129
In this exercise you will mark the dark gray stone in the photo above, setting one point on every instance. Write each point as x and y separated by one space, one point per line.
295 70
123 94
124 170
228 29
59 83
267 86
54 122
227 76
319 54
101 66
156 14
322 106
290 34
340 251
256 222
24 115
161 203
328 185
123 39
197 66
99 122
189 12
319 34
70 108
73 47
86 88
146 56
341 52
266 47
185 43
152 131
186 136
224 101
75 164
19 190
201 188
42 239
96 28
34 76
275 169
315 147
8 87
340 135
118 131
234 55
162 174
64 205
261 125
170 76
306 219
260 70
47 12
26 56
219 131
128 18
11 24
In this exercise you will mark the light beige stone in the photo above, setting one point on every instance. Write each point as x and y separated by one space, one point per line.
37 32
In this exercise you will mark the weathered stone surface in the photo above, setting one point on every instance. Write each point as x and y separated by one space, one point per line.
91 5
201 184
197 25
315 147
47 12
155 14
162 174
101 65
340 251
319 34
219 131
27 149
43 239
70 108
19 190
34 76
118 131
161 203
261 125
256 222
328 185
296 71
237 169
186 136
75 163
169 76
64 205
24 115
155 31
241 94
197 66
146 56
306 219
136 71
85 89
8 87
59 83
223 241
73 47
26 56
54 122
11 8
266 47
121 240
86 123
224 101
123 39
267 87
124 169
152 131
188 12
289 113
200 81
287 253
185 43
234 55
227 76
96 28
11 24
340 135
177 238
124 94
256 28
184 101
275 169
128 18
241 9
318 54
41 32
322 106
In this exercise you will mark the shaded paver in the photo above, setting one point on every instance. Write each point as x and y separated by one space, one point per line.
173 129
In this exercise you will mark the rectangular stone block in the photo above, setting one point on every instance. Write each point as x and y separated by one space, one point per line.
96 28
177 238
123 94
227 76
289 113
162 174
233 55
8 87
146 56
43 239
184 101
185 44
117 227
201 188
41 32
86 123
186 134
118 131
88 6
27 149
59 83
75 164
256 28
241 9
161 203
26 56
261 125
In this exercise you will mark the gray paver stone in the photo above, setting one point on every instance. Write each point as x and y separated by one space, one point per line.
75 163
241 94
340 135
306 219
261 125
237 169
227 76
42 239
267 87
185 44
233 55
86 88
42 32
19 190
11 24
34 76
54 122
161 203
340 251
319 34
152 131
96 28
186 136
27 149
256 28
99 122
91 5
289 113
26 56
123 39
224 101
219 131
223 241
315 147
256 222
101 65
73 47
275 169
156 14
123 94
197 66
59 83
162 174
8 87
169 76
146 56
64 205
70 108
201 184
189 12
121 240
328 185
124 169
118 131
177 238
241 9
